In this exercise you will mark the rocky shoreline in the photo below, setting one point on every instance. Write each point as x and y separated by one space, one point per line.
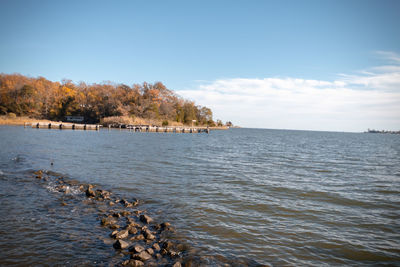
139 238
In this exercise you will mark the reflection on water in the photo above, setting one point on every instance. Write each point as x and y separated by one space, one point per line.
275 197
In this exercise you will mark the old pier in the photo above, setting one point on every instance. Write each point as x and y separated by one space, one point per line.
134 128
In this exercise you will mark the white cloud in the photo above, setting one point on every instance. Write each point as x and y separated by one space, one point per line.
388 55
350 103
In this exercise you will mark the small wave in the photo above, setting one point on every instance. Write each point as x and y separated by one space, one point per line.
335 199
328 171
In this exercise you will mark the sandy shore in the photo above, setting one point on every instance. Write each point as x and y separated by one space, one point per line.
5 120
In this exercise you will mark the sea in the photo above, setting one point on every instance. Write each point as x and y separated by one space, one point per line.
238 197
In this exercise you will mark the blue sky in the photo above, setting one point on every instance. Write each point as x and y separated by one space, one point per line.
191 46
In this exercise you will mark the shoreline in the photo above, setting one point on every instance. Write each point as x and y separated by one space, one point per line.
22 121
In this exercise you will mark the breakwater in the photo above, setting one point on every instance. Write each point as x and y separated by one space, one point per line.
63 126
137 237
134 128
160 129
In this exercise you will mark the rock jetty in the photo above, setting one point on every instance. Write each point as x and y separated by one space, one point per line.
138 236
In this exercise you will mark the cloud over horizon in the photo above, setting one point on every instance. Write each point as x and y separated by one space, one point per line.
353 102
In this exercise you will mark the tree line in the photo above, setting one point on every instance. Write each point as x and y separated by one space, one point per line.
41 98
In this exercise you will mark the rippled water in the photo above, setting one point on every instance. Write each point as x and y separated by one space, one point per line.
267 196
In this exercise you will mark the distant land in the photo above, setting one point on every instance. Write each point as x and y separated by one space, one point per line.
382 131
105 103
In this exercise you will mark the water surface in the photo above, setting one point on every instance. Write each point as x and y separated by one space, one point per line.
267 196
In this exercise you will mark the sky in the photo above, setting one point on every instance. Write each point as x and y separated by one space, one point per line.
308 65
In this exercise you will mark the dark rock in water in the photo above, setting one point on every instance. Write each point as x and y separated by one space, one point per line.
158 256
38 174
173 254
121 234
133 263
146 219
103 194
120 244
139 237
132 230
114 226
136 249
114 233
167 245
165 225
125 213
108 221
156 246
150 251
135 202
148 235
90 192
143 256
116 215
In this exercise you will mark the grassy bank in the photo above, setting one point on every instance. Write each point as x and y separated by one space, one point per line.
11 120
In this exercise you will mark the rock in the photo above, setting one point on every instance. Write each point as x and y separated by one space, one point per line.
114 233
114 226
38 174
120 244
132 230
136 249
133 263
177 264
111 203
167 245
90 192
122 234
143 256
156 246
150 251
139 237
173 254
125 213
103 193
148 235
63 204
116 215
108 221
165 225
146 219
158 256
